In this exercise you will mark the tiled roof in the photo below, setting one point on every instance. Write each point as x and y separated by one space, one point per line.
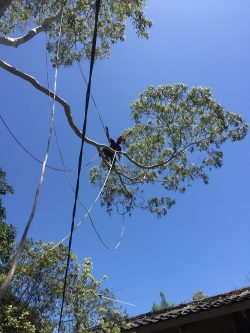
205 304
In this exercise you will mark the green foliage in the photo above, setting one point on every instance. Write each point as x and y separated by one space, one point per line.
85 302
16 317
197 295
7 232
4 189
163 304
176 138
77 24
7 243
32 303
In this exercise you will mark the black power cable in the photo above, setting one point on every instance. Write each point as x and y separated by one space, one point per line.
92 60
32 155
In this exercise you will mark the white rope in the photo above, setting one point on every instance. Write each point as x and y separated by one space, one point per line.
20 247
116 300
60 151
91 207
104 128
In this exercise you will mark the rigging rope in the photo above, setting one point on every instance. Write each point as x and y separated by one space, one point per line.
12 270
93 49
70 183
91 220
33 156
116 300
60 151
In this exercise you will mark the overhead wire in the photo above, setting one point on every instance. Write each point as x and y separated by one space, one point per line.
111 248
20 246
93 99
33 156
91 220
60 152
84 128
70 183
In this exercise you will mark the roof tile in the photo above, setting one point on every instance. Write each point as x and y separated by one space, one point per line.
185 309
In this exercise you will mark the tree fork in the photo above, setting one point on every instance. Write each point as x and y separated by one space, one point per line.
15 42
67 110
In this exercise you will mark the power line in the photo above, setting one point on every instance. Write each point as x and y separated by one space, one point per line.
93 49
105 130
93 99
33 156
69 181
61 155
12 270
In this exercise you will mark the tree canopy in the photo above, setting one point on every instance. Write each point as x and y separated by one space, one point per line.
76 19
164 304
176 138
177 133
7 231
32 302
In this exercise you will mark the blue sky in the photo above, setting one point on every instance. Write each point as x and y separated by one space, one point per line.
203 243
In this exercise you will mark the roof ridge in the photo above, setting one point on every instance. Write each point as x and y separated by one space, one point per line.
181 305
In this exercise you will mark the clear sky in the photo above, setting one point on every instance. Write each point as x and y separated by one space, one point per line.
203 243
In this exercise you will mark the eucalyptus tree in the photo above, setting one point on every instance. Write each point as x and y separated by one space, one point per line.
177 133
69 27
75 18
176 138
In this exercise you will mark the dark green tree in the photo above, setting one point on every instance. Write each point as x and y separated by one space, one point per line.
7 232
32 302
15 316
163 304
197 295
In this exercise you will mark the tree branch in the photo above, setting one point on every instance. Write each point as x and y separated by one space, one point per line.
66 107
67 111
38 86
15 42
